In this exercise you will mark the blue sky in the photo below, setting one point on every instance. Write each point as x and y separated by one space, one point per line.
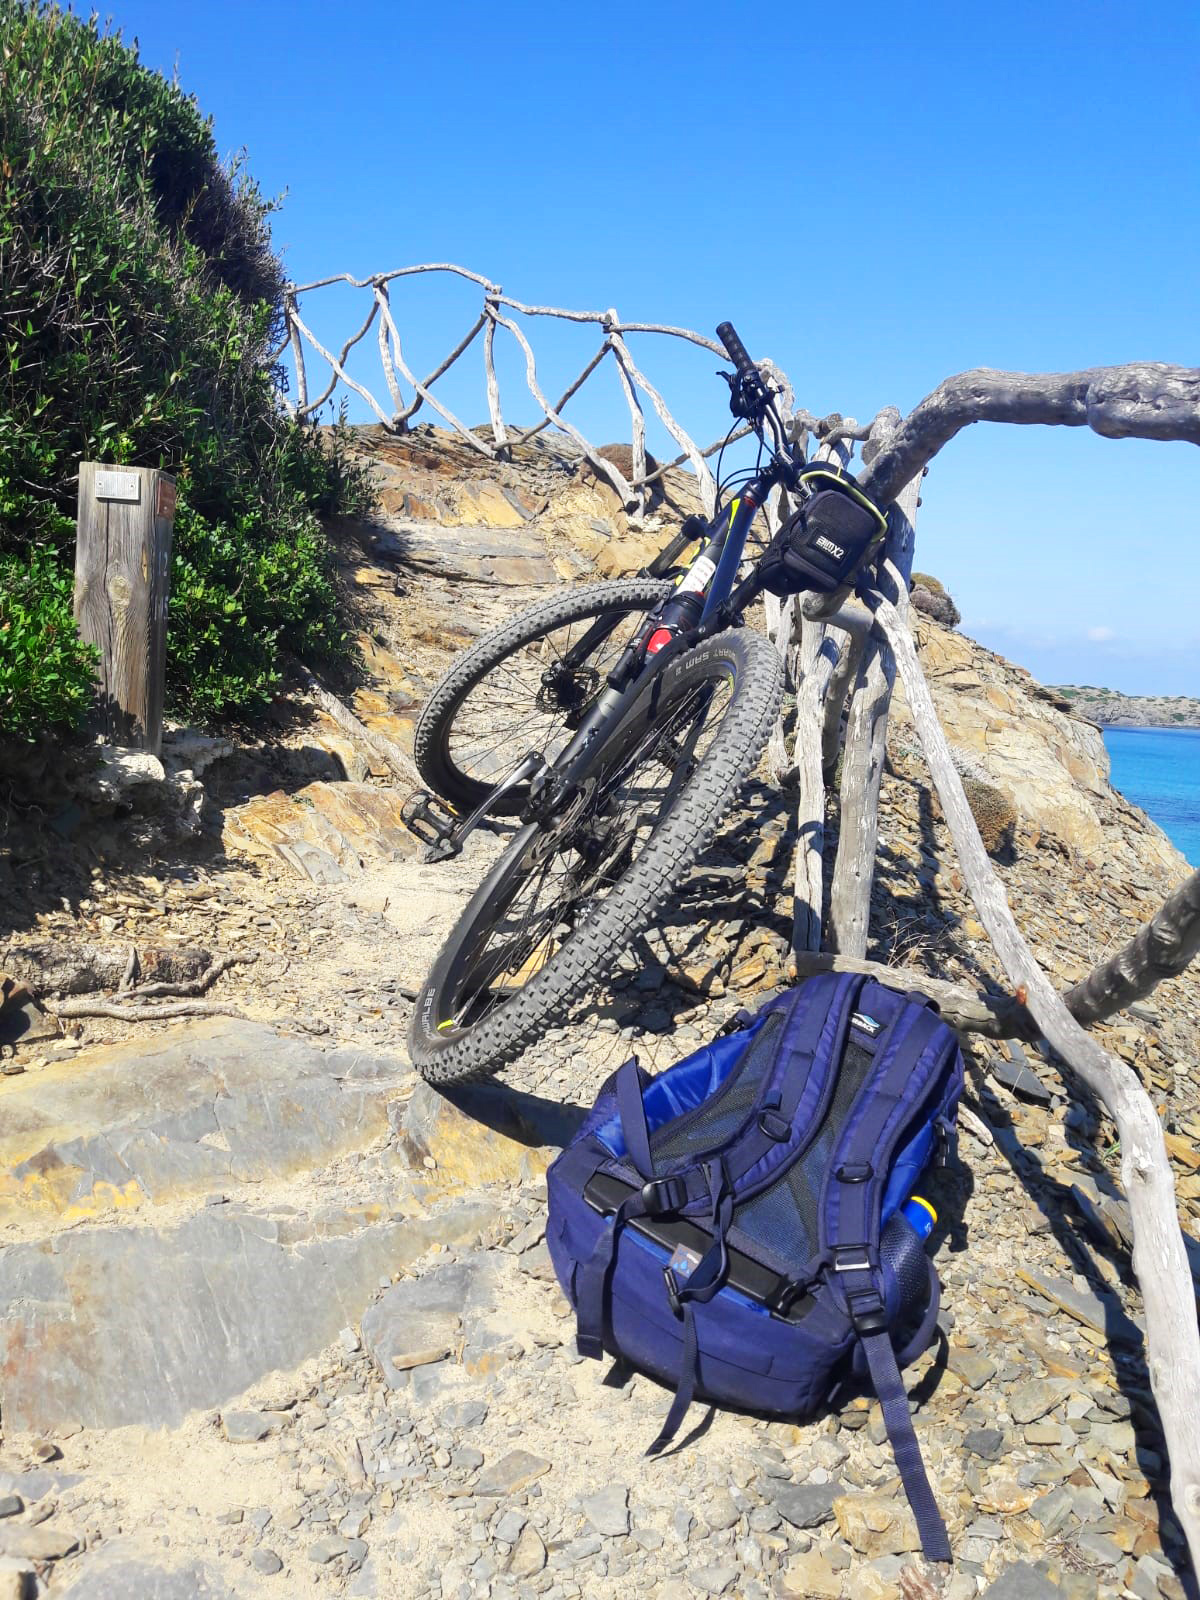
877 206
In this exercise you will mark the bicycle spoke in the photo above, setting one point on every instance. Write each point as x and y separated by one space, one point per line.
632 793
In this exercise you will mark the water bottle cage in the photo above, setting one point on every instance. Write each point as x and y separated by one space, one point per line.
829 539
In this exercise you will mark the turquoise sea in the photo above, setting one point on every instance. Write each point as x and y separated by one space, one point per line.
1159 770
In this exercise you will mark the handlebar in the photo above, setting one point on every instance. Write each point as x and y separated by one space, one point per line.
738 353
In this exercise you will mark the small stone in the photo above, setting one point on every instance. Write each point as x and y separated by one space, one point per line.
1043 1434
974 1368
1023 1582
509 1526
986 1443
327 1549
1032 1400
608 1511
1099 1547
875 1525
265 1561
41 1543
463 1414
1020 1079
713 1580
810 1574
528 1554
512 1473
232 1517
11 1505
245 1427
720 1511
354 1524
804 1505
682 1523
349 1341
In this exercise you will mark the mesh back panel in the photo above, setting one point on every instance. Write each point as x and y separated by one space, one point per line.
716 1121
785 1216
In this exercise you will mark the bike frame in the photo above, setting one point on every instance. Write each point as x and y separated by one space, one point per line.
724 545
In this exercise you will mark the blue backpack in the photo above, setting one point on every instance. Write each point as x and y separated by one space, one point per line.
737 1227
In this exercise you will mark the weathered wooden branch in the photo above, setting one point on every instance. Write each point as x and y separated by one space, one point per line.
600 465
1144 400
400 762
708 487
856 622
52 966
499 436
193 986
818 657
424 392
637 419
148 1013
336 362
865 748
1161 949
297 345
813 669
403 417
1159 1255
385 356
567 393
970 1010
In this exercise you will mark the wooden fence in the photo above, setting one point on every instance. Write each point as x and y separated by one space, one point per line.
394 410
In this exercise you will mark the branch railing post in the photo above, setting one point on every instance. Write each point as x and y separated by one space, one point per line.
814 664
499 436
1160 1259
865 748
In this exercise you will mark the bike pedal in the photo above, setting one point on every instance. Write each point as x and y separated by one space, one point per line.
431 821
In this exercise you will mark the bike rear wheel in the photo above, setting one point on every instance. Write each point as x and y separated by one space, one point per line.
511 692
566 898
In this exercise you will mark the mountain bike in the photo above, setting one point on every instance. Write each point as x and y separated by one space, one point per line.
636 735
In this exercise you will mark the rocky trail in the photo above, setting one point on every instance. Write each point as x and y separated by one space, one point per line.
277 1319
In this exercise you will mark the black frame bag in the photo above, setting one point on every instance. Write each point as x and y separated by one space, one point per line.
833 535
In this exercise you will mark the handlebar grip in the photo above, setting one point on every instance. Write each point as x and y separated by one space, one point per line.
738 353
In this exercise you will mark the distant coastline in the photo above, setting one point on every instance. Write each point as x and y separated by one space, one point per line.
1110 709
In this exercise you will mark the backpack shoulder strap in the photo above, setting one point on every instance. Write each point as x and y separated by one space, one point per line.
797 1093
851 1211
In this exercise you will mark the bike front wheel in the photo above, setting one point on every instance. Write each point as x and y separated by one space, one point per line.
567 897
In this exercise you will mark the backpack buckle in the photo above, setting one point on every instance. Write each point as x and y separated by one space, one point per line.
774 1126
673 1299
664 1194
868 1313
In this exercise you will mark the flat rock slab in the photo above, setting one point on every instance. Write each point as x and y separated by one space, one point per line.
487 555
419 1321
326 832
1102 1314
107 1326
184 1112
113 1573
484 1132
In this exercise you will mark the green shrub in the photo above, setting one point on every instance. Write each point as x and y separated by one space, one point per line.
140 301
46 670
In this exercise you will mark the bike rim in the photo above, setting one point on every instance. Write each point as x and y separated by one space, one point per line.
484 737
563 873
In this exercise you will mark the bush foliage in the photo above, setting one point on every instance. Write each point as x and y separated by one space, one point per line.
140 299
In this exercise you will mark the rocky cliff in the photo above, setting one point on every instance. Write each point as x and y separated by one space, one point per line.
1109 708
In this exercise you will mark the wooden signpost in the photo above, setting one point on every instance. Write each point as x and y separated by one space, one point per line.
122 579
